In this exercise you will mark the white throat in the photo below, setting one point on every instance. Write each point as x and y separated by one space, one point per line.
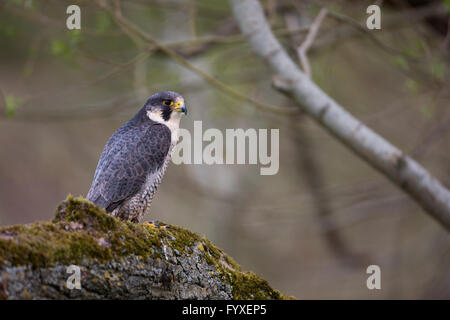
173 123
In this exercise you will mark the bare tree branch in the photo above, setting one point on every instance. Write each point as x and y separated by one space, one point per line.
375 150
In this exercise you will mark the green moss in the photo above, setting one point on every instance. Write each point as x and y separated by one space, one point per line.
41 244
81 210
81 230
244 284
247 285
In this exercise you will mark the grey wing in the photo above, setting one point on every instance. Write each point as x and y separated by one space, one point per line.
113 145
126 162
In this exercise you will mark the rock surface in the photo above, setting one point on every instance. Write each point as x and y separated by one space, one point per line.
117 260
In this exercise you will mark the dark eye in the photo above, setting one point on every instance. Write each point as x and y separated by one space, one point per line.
167 102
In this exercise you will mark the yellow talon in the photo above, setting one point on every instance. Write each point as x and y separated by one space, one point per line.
155 225
146 223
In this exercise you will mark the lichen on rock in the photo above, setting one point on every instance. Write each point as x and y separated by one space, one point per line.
118 260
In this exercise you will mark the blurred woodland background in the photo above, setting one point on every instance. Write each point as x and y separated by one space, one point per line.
312 229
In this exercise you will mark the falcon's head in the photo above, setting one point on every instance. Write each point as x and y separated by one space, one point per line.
165 106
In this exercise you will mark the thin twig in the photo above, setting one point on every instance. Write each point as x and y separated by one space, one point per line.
194 47
2 103
359 27
119 68
192 9
303 48
106 109
446 43
131 27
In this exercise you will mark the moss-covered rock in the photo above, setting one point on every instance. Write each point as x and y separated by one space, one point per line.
118 260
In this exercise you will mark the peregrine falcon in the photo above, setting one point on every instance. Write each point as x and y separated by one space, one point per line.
136 156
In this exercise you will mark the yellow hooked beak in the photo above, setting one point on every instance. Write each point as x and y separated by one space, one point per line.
180 106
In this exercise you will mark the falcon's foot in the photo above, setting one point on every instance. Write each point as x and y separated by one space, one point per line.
156 224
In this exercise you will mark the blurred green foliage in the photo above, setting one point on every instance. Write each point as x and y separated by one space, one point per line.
447 4
12 103
412 85
437 69
29 4
103 22
400 62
